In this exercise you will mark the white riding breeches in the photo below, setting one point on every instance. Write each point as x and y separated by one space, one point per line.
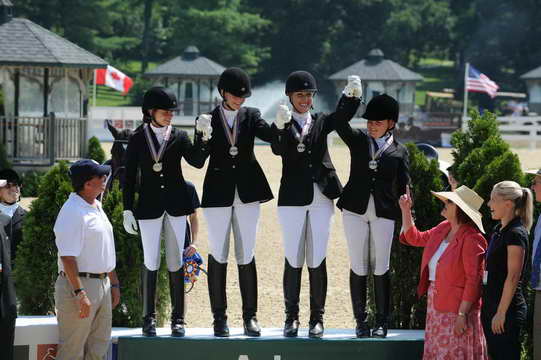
243 219
369 240
305 230
173 229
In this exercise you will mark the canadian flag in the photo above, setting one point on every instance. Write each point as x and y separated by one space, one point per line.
114 78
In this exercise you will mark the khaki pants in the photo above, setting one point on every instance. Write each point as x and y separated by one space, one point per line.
537 327
87 338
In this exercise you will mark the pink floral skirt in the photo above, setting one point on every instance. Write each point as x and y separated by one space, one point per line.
441 343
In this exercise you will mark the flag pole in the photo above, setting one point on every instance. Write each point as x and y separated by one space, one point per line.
94 90
465 110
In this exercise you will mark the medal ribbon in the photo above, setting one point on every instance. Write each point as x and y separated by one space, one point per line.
157 156
305 129
377 154
231 134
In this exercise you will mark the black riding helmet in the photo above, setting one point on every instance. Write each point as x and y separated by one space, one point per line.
10 176
300 81
382 107
235 81
158 97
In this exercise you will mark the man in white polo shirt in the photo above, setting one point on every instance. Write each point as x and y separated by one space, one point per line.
87 288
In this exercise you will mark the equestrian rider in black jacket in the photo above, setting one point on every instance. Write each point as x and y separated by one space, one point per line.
307 189
155 150
233 189
378 177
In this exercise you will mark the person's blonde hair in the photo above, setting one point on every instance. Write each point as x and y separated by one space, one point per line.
522 198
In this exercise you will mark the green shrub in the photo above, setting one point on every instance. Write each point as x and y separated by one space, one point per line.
36 264
482 159
95 151
129 261
31 181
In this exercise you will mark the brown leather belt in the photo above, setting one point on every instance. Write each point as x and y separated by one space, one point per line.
89 275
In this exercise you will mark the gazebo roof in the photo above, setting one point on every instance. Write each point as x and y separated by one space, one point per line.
376 67
532 74
190 63
26 43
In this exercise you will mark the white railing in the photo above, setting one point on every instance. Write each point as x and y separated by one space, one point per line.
521 128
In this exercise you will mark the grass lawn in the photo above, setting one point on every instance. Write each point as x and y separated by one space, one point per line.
438 75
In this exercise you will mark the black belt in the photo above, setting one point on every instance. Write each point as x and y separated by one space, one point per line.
89 275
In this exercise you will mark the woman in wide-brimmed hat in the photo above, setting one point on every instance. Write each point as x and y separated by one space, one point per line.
451 271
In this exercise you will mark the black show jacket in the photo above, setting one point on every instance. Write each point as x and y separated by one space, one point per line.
163 191
301 169
14 230
8 302
243 172
386 184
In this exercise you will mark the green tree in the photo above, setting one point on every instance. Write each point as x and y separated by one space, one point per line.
223 30
483 159
75 20
95 151
36 264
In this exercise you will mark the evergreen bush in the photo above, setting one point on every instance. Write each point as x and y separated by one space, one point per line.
36 267
95 151
482 159
31 181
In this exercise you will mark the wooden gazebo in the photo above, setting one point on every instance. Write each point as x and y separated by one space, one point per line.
193 77
44 80
380 75
533 82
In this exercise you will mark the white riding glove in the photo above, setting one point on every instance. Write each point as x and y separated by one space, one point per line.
354 87
203 126
283 115
130 224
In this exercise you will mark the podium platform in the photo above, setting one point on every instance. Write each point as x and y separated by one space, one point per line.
337 344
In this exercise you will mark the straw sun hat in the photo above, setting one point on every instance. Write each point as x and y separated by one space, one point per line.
467 200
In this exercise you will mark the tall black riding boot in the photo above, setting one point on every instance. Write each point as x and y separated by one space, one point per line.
176 288
357 286
318 294
148 285
292 290
382 286
248 292
217 274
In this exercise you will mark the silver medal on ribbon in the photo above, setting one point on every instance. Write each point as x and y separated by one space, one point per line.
301 147
376 155
157 155
231 134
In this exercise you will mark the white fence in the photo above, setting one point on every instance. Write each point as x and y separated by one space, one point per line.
521 128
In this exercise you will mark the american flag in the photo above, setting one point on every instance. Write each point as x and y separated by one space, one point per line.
479 82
